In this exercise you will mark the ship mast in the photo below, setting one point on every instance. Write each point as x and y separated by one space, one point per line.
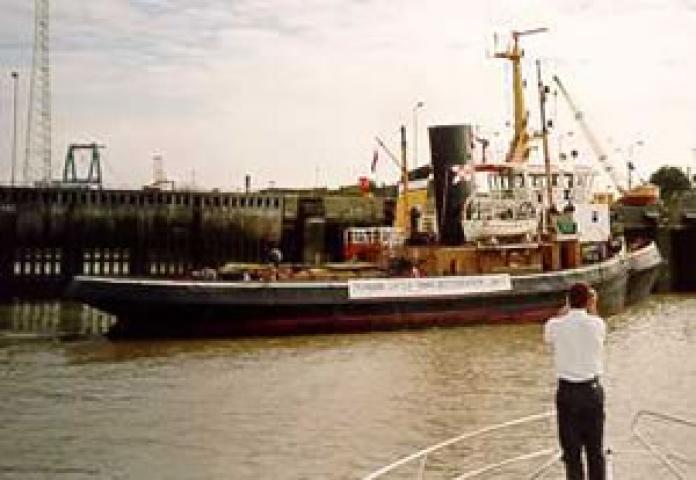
404 180
519 145
543 90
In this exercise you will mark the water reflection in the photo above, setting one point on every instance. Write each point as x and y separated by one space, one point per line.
51 319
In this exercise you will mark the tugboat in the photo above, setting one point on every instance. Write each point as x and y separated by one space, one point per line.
506 242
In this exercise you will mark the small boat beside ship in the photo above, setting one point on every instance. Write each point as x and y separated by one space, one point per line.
511 238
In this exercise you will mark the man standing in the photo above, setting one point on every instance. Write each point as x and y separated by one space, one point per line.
577 337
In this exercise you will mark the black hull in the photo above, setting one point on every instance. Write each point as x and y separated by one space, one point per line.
150 308
233 321
641 284
645 265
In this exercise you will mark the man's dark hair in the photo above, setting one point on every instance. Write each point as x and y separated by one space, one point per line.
579 295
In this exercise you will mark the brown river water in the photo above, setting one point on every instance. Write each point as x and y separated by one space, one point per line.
77 406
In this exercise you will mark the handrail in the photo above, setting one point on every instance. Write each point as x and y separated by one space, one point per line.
553 454
652 448
528 456
423 454
546 466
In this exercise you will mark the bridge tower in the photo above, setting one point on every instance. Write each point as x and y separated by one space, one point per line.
38 148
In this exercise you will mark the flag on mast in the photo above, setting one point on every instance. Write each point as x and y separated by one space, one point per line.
462 172
373 167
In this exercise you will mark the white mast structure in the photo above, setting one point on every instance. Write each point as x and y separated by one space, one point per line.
38 148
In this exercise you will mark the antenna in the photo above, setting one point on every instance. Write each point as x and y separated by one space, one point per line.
38 149
517 34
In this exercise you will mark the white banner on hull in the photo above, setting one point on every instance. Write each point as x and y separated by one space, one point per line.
428 286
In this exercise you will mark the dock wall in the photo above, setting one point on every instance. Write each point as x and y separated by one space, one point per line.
49 235
672 225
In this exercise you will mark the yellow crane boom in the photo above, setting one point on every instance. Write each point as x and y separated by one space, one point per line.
519 145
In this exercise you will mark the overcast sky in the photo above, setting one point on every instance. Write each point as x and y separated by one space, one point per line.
294 91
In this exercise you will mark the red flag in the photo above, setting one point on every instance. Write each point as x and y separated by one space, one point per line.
364 184
373 168
462 172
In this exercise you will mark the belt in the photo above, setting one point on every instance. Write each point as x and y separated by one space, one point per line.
571 383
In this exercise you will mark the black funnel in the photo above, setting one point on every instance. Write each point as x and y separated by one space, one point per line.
450 146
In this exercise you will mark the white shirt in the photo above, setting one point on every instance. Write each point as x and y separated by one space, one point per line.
577 338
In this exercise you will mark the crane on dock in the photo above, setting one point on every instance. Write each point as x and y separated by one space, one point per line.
592 139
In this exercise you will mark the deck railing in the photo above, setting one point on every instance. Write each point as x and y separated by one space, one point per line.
665 457
422 455
553 455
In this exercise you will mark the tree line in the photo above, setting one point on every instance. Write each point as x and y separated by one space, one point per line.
670 180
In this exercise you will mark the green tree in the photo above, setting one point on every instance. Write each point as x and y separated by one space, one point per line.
670 180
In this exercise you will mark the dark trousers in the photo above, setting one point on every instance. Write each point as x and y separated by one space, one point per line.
580 410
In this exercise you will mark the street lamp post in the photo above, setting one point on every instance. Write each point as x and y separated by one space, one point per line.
415 132
15 78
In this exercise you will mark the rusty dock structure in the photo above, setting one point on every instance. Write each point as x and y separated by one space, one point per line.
48 235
